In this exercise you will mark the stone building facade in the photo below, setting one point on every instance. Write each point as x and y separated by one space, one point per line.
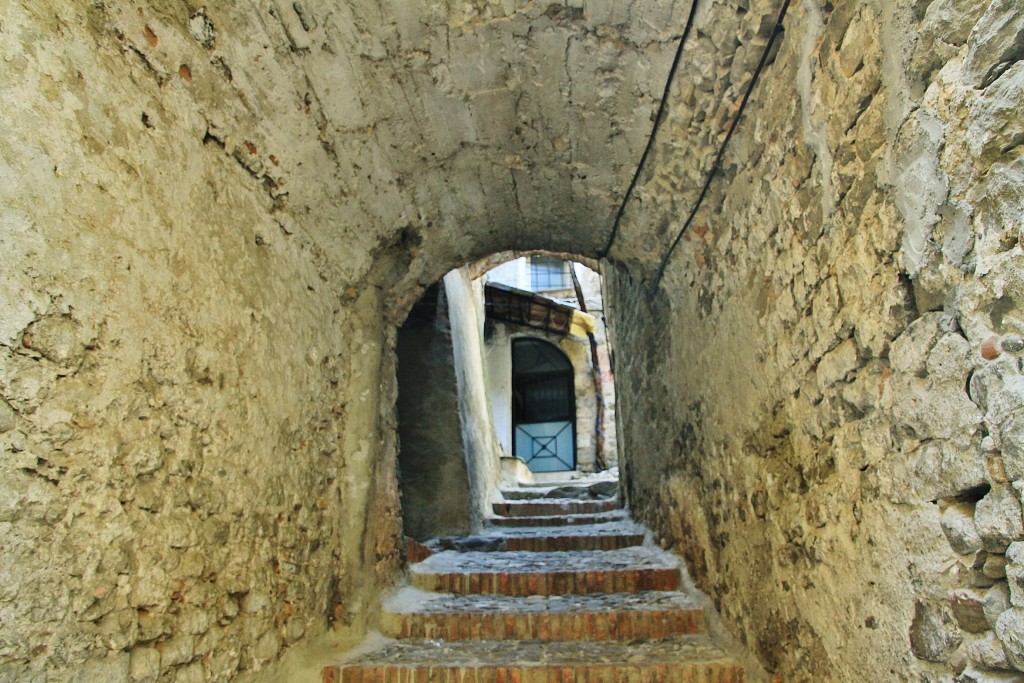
214 219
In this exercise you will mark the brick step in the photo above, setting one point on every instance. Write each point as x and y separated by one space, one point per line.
626 570
652 615
558 520
546 507
597 491
693 659
608 536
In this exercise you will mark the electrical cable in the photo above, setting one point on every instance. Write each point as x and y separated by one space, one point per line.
725 143
654 130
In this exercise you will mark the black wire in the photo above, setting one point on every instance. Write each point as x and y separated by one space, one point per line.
721 150
654 129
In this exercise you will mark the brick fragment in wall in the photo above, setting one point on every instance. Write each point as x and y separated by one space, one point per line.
968 610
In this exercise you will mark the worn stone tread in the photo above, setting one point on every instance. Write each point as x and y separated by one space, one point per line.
604 536
614 616
615 526
553 506
410 600
686 658
548 573
602 490
640 557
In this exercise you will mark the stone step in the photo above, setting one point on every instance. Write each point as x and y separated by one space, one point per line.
547 507
558 520
693 659
601 490
550 543
607 536
626 570
651 615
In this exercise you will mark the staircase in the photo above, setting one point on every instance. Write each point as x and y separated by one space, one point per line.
560 588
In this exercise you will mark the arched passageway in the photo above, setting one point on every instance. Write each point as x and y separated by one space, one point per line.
197 370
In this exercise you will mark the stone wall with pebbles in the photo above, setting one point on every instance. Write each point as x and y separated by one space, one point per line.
822 404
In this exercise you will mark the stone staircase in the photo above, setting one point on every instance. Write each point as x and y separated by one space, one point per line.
560 588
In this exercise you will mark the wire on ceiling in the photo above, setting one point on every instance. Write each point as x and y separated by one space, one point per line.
654 130
776 32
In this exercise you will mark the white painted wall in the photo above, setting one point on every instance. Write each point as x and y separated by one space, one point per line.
482 450
514 273
499 386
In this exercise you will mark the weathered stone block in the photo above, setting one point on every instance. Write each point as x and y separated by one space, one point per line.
997 41
974 675
59 338
949 469
144 665
968 610
997 601
1015 573
988 652
193 673
994 567
6 417
1011 440
998 519
114 667
933 632
835 364
176 651
1010 631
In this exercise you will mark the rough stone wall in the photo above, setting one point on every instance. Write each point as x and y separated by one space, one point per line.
835 349
195 468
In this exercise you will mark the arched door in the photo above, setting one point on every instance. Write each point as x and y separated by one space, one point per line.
543 406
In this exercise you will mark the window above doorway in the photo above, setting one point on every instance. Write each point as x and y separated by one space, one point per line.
547 274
